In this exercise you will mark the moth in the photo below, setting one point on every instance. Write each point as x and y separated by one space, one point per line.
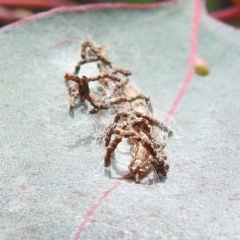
133 117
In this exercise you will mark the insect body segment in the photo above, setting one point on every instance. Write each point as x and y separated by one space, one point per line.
133 119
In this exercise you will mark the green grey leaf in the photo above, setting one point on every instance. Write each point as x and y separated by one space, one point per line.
51 180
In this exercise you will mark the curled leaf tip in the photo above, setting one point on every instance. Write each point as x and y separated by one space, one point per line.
201 67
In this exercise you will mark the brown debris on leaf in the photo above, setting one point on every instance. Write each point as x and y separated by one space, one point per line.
133 117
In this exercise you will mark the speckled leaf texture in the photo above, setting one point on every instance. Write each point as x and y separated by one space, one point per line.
51 181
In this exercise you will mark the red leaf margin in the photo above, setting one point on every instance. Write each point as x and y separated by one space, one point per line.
36 4
89 7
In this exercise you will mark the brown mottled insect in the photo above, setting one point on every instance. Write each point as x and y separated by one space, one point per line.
133 117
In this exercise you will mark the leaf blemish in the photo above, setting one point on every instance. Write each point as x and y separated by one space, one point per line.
201 67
